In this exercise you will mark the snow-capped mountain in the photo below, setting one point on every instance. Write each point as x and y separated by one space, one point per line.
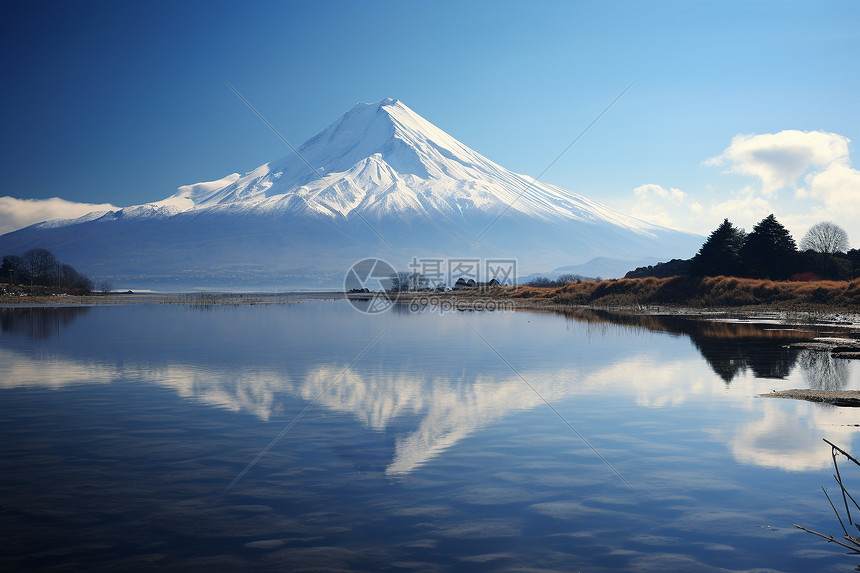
380 181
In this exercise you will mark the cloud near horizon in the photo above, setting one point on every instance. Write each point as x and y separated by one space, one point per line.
814 165
19 213
652 199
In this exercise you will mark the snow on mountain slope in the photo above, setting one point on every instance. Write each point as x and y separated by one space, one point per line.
382 175
381 159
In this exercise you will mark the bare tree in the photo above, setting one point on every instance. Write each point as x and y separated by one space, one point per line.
417 281
41 264
104 286
825 237
72 279
399 282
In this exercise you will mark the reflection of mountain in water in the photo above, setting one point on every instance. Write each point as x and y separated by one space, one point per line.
39 322
425 413
450 409
730 348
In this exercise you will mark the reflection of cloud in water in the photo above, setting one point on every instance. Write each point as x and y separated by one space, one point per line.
786 435
17 370
248 390
792 441
253 391
658 384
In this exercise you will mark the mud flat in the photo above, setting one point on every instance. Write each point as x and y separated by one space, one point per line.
845 398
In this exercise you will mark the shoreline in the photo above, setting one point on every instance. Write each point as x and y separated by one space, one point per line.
201 298
499 299
837 315
465 300
676 295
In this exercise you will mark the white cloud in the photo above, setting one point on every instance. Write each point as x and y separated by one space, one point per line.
18 213
744 208
838 187
653 213
673 194
661 206
815 164
779 159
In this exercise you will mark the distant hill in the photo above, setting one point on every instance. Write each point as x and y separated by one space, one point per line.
673 268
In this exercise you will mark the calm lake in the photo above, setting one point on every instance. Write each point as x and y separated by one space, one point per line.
310 436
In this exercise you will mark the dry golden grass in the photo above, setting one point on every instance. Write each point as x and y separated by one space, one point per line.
702 292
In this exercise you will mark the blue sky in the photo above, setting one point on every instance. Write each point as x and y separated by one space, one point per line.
123 102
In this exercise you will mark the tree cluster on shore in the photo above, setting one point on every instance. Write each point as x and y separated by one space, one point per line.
40 268
561 280
768 252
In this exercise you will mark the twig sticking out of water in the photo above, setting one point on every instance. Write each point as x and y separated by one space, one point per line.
838 478
843 452
845 531
854 542
829 538
848 493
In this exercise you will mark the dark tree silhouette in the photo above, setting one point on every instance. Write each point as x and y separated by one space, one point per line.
720 255
769 251
14 270
853 257
42 266
70 278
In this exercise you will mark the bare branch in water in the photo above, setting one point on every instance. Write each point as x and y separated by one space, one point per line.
846 495
834 511
829 538
851 497
839 481
843 452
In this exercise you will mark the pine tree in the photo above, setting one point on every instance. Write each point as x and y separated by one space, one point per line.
720 255
769 251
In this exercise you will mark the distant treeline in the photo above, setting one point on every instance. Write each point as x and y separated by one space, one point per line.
560 281
768 252
39 267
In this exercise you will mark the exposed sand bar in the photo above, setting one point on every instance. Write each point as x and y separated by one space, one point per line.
846 398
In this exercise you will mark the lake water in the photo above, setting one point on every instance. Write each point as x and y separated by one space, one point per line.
313 437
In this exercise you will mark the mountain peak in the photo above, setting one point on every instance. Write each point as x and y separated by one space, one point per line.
381 159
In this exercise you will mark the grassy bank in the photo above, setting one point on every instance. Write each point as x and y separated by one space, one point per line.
708 292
